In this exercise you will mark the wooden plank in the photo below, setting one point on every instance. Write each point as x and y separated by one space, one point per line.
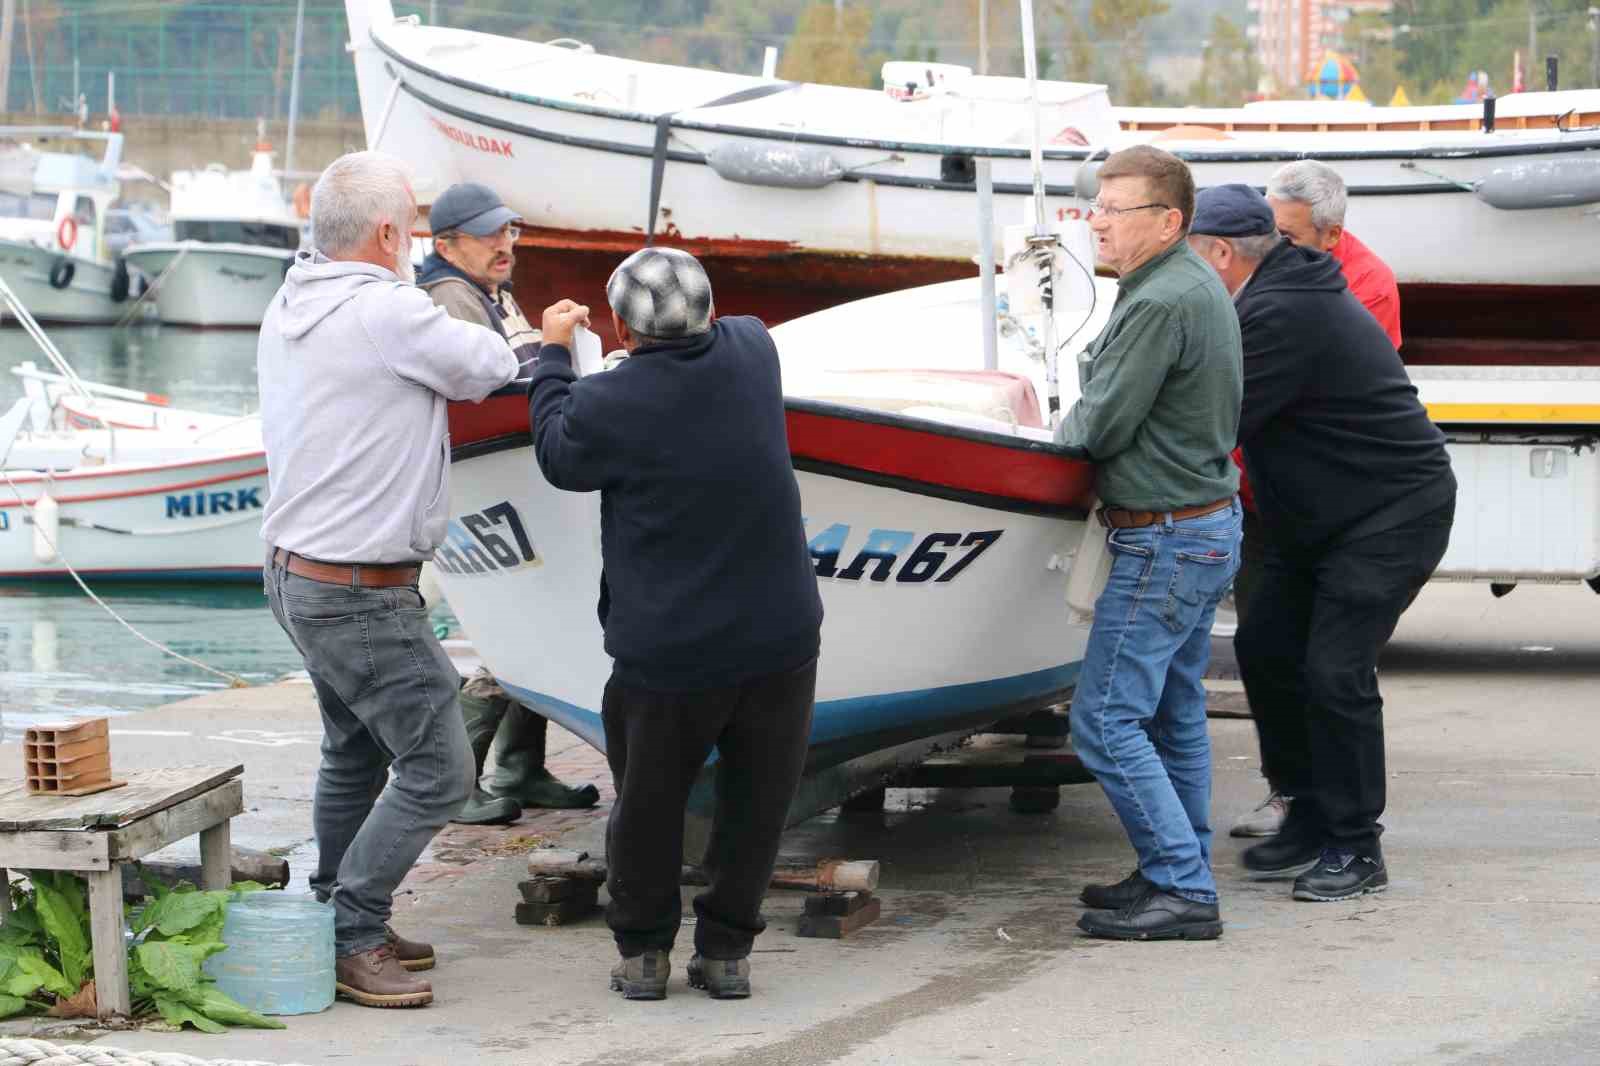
110 954
194 815
148 791
5 893
216 853
837 904
833 927
552 914
555 889
61 850
89 790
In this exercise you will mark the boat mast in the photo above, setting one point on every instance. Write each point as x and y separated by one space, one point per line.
294 85
1043 243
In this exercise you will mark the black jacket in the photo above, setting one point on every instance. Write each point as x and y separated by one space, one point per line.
1335 440
708 581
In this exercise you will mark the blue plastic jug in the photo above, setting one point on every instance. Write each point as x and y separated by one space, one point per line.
280 953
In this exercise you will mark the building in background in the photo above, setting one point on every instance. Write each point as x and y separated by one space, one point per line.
1293 36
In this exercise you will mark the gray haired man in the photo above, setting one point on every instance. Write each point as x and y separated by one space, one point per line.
710 608
356 366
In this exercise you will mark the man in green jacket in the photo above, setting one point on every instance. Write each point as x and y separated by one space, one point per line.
1158 414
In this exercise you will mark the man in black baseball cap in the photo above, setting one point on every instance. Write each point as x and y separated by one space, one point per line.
469 275
1356 498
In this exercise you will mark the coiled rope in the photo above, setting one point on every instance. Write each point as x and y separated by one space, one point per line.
43 1053
234 680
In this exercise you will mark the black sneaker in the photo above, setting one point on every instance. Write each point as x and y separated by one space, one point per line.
1341 875
1282 854
1157 915
642 976
1124 893
721 978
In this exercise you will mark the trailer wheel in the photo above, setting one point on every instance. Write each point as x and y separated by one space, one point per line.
62 272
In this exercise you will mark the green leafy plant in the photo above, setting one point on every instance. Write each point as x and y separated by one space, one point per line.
46 959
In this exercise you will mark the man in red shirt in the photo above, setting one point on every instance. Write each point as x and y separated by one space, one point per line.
1308 201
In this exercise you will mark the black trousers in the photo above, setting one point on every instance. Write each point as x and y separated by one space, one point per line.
1308 654
656 743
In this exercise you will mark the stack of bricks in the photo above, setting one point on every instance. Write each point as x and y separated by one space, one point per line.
69 759
556 900
835 915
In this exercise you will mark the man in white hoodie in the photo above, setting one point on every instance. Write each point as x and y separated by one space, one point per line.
356 366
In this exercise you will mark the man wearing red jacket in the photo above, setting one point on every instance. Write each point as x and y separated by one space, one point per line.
1308 202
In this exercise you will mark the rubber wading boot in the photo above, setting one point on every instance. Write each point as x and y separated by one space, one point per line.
375 978
642 976
721 978
520 774
482 717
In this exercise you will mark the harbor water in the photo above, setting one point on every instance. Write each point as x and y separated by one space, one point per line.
62 656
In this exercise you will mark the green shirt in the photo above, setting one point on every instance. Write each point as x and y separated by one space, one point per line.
1159 410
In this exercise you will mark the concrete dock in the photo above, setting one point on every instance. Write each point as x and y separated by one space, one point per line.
1481 952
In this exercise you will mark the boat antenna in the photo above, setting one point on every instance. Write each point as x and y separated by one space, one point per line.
1044 243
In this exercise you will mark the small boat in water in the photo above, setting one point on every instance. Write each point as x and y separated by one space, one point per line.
234 237
118 485
53 210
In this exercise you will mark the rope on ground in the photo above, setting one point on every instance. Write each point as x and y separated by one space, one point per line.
43 1053
234 680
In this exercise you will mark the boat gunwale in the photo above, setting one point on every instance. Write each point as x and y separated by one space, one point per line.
1192 155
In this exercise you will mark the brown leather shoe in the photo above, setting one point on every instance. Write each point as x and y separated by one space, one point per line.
414 955
375 979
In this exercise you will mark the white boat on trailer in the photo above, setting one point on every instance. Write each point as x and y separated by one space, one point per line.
802 196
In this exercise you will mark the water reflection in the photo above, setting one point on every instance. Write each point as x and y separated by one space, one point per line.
61 655
208 369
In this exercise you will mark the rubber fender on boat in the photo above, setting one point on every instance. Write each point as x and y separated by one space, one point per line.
61 273
120 282
46 528
1541 183
789 166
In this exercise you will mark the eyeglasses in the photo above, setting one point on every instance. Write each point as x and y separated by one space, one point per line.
504 231
1117 212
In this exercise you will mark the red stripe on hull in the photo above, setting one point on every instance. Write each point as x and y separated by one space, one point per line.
909 453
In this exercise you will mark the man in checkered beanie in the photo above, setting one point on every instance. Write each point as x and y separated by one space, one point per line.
708 598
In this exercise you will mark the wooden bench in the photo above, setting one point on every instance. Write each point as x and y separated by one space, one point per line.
92 836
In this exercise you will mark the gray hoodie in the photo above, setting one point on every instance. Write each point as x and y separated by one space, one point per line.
355 369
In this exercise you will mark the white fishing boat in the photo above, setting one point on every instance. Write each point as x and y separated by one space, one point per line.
801 196
117 484
234 237
52 225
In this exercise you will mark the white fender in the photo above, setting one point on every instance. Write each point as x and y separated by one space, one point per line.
46 528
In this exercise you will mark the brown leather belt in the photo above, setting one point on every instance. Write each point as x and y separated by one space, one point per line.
372 576
1117 518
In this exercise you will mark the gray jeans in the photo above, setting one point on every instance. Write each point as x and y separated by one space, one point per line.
388 694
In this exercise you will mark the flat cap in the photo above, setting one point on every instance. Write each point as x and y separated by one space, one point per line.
1232 211
662 293
469 208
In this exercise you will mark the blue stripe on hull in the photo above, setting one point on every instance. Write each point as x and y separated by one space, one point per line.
859 715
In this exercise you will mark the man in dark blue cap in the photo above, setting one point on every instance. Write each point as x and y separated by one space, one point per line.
1356 499
468 274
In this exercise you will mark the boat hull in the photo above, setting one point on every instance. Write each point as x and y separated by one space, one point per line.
215 285
938 559
86 299
197 520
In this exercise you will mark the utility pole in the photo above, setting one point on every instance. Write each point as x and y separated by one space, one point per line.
1594 45
1533 29
983 36
8 23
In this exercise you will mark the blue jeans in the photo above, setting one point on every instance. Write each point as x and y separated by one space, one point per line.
1139 712
389 697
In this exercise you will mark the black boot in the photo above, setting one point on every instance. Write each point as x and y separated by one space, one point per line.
520 775
1341 875
482 717
1295 846
1157 915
